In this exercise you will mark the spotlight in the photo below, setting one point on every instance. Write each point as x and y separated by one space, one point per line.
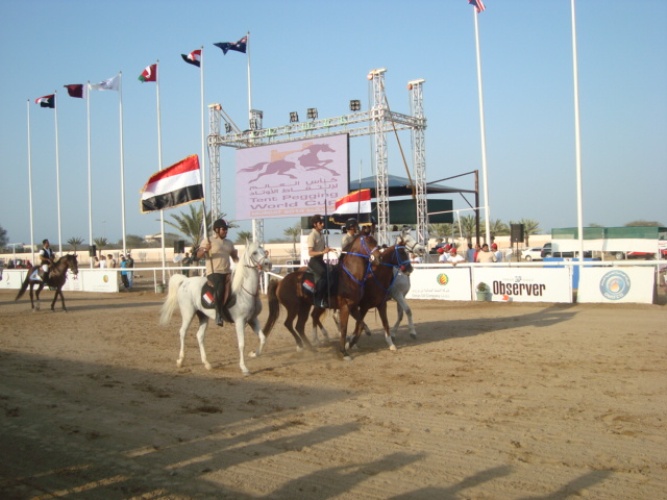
293 117
312 113
355 105
228 128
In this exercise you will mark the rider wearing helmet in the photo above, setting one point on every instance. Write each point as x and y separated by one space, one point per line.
351 230
317 249
218 251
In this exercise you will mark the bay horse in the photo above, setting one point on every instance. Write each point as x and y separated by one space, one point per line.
244 304
56 277
350 275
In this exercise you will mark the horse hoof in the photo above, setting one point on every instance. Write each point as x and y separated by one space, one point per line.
246 373
392 348
207 366
347 358
252 354
413 336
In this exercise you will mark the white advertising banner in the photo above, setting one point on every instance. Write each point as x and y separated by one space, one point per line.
451 283
524 284
626 284
291 179
12 278
95 280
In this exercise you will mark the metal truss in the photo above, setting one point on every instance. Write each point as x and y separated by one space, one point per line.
375 122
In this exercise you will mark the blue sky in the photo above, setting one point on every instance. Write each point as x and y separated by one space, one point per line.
317 54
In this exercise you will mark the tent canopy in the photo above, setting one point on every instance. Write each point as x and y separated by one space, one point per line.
400 186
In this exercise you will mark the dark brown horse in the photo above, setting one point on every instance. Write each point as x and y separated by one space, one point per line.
359 262
56 278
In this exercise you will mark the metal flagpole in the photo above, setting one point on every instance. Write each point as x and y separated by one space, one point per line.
202 163
247 49
122 160
90 182
482 129
32 233
159 160
577 140
60 234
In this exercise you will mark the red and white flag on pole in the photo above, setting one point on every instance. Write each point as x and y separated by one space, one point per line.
357 202
173 186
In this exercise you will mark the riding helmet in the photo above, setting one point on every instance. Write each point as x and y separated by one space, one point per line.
220 223
350 223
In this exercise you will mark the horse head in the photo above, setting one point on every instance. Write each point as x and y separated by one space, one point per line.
71 263
257 257
397 257
409 242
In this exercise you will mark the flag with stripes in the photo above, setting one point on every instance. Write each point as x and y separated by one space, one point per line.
173 186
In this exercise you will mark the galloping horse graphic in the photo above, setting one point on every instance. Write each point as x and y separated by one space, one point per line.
282 165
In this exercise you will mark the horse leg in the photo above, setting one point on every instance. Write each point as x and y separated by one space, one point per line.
317 323
201 333
55 298
382 309
399 318
185 324
240 337
402 306
359 316
37 292
344 317
254 324
301 321
289 324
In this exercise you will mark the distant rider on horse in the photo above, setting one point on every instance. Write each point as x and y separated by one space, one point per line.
317 249
47 258
219 250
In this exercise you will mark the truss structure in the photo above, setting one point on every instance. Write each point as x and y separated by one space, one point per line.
376 122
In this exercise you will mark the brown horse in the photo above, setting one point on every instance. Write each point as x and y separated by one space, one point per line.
56 278
350 275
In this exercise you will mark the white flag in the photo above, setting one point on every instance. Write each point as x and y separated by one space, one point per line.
108 84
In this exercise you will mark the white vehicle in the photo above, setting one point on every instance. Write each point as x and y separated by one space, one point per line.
530 254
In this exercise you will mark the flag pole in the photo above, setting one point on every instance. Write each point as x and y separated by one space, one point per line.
480 92
159 160
577 140
203 136
122 160
32 233
249 81
90 182
60 234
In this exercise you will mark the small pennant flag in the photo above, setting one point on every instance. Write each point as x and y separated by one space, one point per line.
176 185
47 101
239 46
193 58
149 74
76 90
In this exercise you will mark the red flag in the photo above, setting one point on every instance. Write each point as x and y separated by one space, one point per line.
149 74
193 57
173 186
357 202
75 90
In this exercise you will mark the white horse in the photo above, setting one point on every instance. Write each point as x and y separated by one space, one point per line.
398 290
245 308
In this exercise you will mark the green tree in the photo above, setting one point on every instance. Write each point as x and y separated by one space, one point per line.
243 236
75 242
3 237
643 223
293 233
100 243
530 227
498 228
444 231
189 223
468 227
133 241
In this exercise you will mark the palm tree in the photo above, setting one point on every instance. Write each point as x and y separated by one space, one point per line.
468 227
498 228
243 237
444 231
530 226
189 224
100 243
293 232
75 242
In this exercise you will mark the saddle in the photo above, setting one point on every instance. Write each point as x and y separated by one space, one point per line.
208 301
328 286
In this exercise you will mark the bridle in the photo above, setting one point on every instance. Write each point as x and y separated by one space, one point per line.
370 255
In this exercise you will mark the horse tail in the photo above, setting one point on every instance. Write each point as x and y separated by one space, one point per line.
26 282
254 168
170 302
274 307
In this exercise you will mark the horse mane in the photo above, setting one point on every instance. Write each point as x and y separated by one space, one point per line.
243 266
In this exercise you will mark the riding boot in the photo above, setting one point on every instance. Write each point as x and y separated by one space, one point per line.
218 317
320 294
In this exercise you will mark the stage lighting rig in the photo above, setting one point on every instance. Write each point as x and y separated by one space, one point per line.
312 113
355 105
293 117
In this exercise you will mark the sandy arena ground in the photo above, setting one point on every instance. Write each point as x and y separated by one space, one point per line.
492 401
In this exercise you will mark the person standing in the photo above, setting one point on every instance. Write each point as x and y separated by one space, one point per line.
219 251
186 262
498 254
47 258
453 257
317 249
124 272
485 256
130 265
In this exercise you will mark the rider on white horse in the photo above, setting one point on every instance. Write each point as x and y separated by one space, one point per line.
219 250
47 257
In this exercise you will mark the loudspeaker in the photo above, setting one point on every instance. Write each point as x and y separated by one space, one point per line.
92 251
517 233
179 246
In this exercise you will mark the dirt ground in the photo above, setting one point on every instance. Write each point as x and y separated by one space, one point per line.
492 401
